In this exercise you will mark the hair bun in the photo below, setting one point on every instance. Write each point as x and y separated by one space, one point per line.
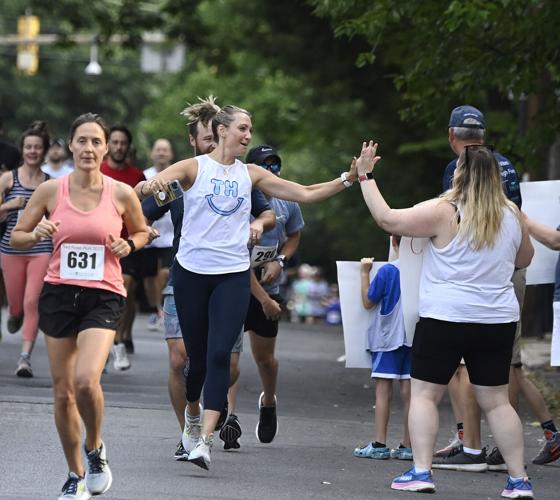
39 126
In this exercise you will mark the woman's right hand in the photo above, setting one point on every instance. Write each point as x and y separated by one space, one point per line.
366 264
367 158
45 229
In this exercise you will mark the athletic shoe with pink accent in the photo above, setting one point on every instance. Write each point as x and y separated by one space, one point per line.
411 481
518 488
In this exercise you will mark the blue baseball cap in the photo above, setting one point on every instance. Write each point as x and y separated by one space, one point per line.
467 117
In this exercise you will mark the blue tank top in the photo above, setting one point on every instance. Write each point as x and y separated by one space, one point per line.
44 246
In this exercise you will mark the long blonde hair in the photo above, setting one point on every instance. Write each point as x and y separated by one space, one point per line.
479 195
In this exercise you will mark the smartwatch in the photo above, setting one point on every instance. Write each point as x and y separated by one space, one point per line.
131 245
281 259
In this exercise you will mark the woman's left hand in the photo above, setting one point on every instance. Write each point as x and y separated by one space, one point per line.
368 158
118 246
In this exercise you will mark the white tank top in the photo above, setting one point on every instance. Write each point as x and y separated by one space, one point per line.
462 285
215 226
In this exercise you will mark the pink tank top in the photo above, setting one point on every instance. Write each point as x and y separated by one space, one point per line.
81 256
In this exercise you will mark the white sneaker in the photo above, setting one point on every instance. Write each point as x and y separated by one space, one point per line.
201 454
191 432
98 474
120 358
74 488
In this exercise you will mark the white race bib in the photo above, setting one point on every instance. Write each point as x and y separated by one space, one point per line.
262 254
82 262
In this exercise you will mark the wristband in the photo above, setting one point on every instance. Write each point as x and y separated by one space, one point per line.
344 180
131 245
365 177
281 259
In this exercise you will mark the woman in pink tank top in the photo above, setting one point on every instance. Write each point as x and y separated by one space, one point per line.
83 294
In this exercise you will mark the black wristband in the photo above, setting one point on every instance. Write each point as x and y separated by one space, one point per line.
131 245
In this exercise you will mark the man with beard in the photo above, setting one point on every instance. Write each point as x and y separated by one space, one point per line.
115 165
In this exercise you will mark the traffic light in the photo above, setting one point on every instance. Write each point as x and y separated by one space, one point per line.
27 51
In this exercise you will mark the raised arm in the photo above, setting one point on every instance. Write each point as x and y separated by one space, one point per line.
275 186
426 220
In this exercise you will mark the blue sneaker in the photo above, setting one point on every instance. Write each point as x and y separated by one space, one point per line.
370 451
519 488
410 481
401 453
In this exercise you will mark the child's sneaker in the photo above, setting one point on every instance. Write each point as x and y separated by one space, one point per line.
370 451
411 481
518 488
401 453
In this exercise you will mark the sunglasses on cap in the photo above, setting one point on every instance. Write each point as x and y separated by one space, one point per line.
273 167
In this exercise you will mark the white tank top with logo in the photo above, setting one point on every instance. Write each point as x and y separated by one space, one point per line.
216 216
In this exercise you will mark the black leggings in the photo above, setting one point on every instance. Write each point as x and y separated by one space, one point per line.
211 309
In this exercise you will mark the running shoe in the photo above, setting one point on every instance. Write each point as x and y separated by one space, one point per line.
223 417
120 358
180 454
267 426
370 451
495 461
411 481
230 433
402 453
98 473
154 322
462 461
14 323
74 488
24 367
519 488
455 443
191 432
201 454
551 449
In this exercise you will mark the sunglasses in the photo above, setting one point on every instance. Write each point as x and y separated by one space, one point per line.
476 147
273 167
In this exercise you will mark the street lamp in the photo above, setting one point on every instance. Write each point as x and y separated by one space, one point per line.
93 68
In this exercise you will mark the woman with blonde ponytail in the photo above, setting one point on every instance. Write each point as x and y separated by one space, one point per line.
467 304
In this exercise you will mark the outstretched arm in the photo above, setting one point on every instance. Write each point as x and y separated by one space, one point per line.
287 190
424 220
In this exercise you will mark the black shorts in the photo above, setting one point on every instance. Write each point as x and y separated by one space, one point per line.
140 264
66 310
257 322
438 347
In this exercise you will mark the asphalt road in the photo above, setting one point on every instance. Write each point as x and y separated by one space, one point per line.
324 411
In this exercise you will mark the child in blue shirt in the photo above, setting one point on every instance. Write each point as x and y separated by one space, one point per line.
390 353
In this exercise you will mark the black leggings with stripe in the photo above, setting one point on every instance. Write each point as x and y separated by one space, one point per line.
211 309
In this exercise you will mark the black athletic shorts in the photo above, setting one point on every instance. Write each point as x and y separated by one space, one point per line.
165 257
140 264
257 322
438 347
66 310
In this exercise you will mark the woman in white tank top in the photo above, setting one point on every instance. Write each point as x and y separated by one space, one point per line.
467 305
211 273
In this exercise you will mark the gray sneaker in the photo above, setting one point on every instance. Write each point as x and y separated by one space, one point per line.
462 461
495 461
98 474
74 489
24 367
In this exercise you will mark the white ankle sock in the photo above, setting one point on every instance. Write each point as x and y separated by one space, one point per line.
420 471
471 451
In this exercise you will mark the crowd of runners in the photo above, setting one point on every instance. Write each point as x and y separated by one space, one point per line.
208 238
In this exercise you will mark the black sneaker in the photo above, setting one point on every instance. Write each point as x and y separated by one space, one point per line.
14 323
129 346
230 433
267 427
462 461
223 417
180 454
495 461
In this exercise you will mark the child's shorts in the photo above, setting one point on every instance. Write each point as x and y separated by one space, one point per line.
391 364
